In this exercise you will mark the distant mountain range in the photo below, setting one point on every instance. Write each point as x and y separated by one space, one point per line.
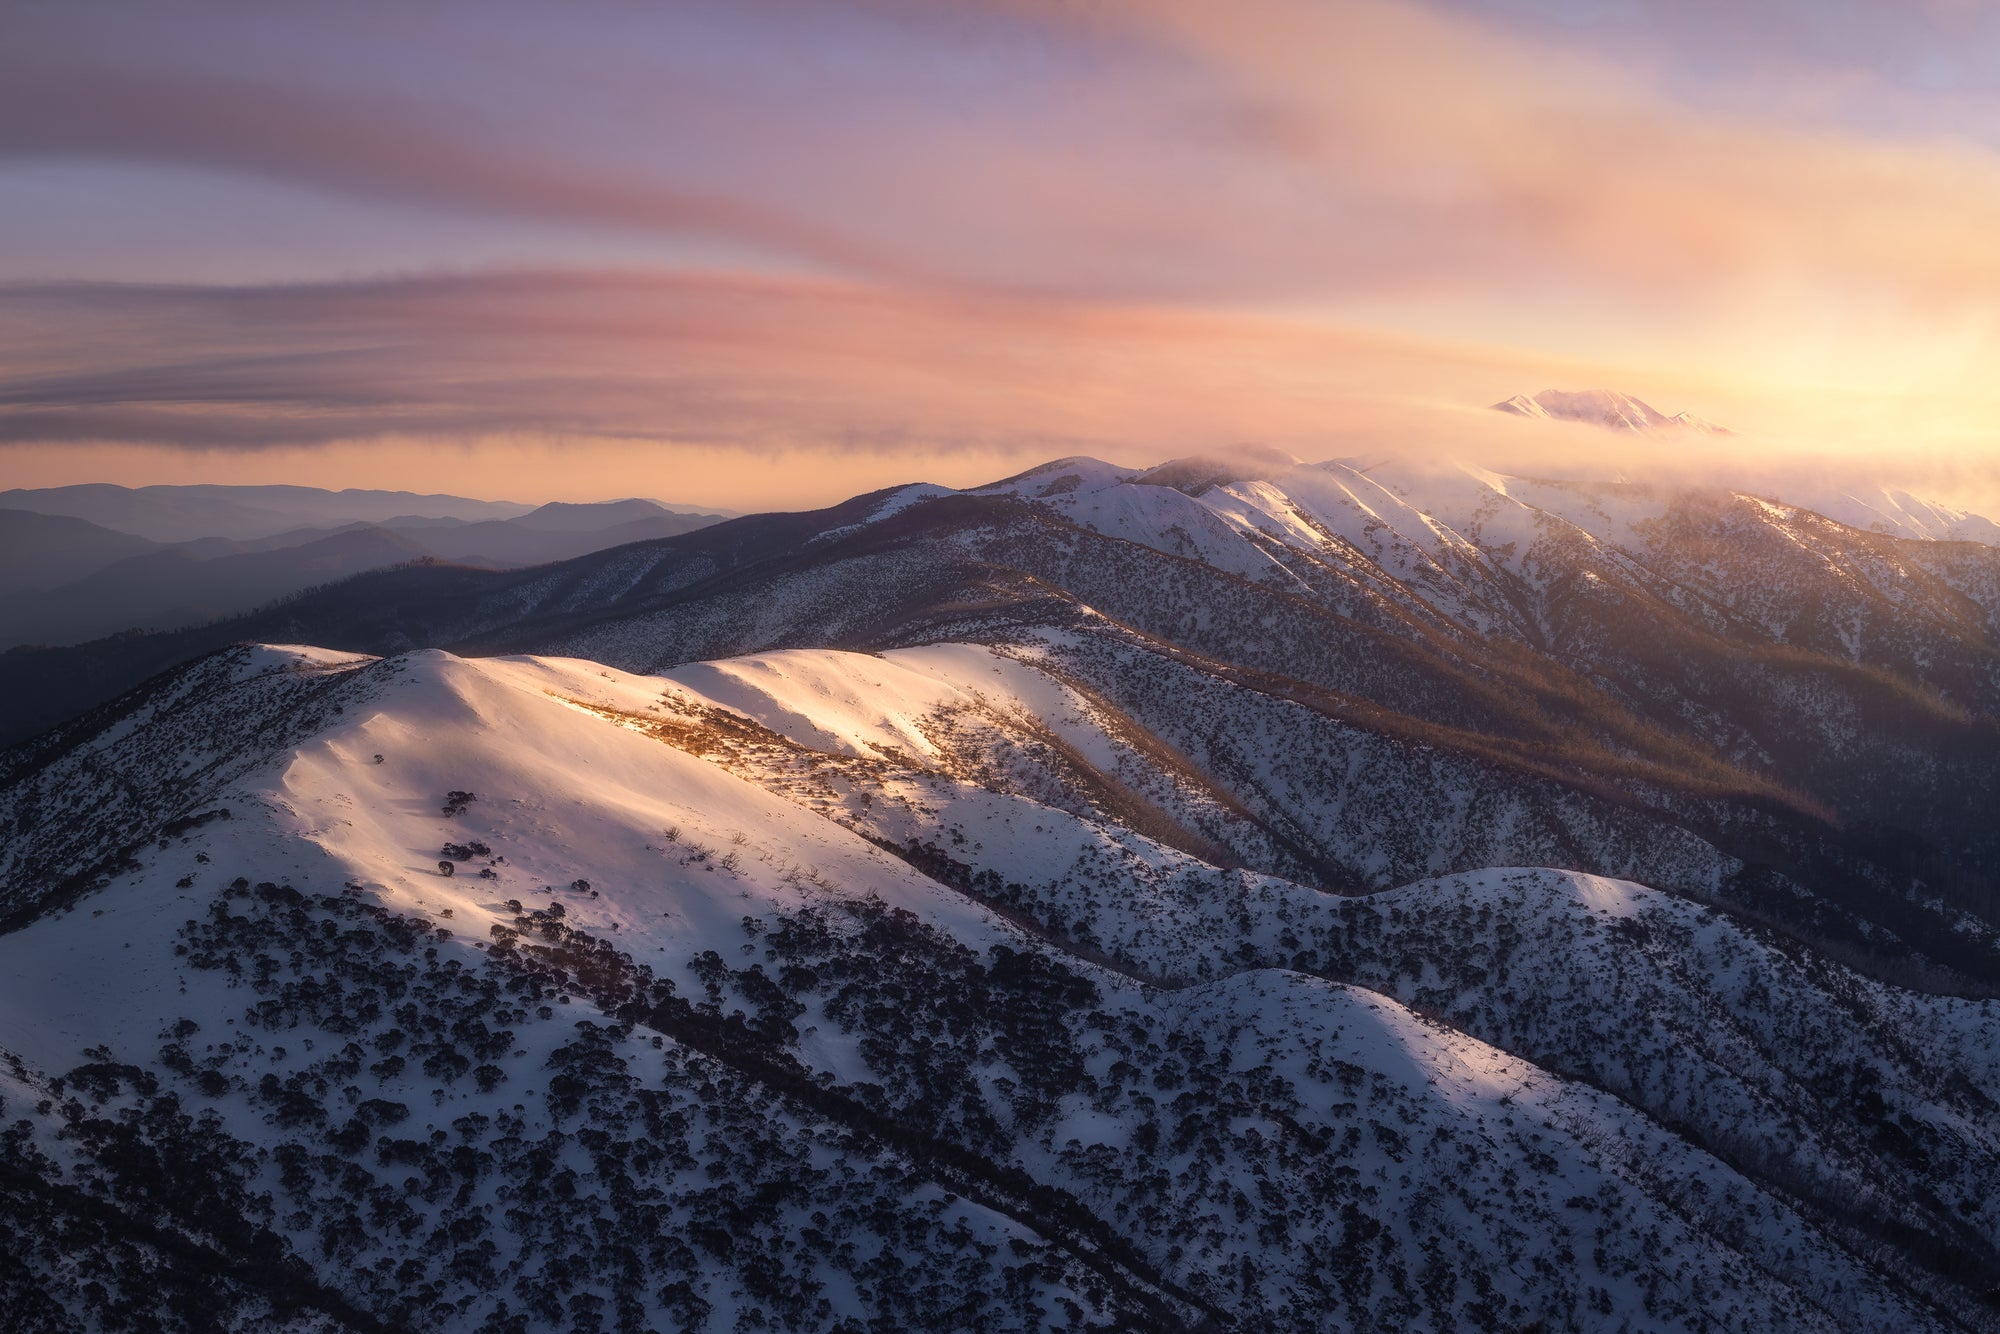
68 577
1876 508
1608 409
183 513
41 551
1888 509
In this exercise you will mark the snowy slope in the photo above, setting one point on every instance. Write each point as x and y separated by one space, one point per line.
1897 513
1487 550
915 988
1605 408
1239 894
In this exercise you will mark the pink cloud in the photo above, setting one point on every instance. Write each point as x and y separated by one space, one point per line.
1124 225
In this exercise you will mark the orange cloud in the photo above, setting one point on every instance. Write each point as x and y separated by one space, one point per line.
1169 224
576 380
1263 152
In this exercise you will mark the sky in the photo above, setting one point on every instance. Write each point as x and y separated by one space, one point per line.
770 253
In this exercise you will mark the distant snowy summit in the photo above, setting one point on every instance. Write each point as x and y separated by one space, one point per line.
1606 408
1897 513
1873 507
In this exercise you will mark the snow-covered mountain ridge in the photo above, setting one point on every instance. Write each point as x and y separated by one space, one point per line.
1608 409
1816 703
1236 894
1892 510
1875 508
830 986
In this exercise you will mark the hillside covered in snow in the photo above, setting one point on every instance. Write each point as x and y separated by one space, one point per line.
1872 507
1233 895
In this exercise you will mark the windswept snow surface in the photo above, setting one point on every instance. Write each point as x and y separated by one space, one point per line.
1599 407
1897 513
818 987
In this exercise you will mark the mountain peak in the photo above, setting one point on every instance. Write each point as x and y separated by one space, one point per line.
1688 421
567 516
1607 408
1195 473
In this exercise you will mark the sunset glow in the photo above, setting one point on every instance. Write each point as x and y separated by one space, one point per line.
1031 666
773 254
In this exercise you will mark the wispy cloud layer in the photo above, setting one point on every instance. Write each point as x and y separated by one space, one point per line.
756 363
1006 224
